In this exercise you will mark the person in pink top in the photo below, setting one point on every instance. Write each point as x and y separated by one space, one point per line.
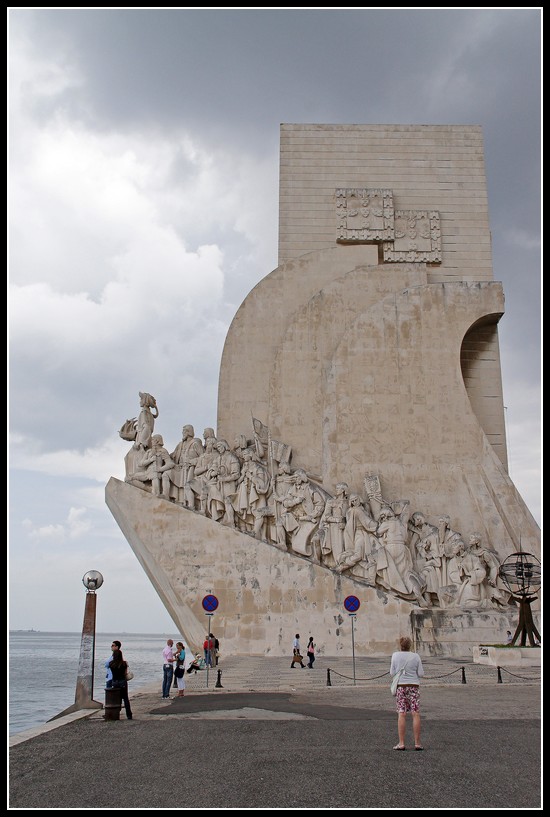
167 668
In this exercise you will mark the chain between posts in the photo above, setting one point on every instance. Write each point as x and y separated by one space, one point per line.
462 670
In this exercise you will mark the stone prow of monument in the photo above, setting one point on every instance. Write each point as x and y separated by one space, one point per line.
371 352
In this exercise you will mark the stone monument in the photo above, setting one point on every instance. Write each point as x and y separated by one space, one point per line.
360 446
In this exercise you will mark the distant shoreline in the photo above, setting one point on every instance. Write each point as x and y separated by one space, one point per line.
77 632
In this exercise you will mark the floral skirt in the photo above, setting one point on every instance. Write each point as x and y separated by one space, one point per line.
407 698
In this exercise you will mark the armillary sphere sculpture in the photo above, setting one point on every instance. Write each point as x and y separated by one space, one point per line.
521 574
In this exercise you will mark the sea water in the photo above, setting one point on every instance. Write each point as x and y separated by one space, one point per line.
43 669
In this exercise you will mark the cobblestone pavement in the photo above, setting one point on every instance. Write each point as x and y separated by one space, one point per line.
261 673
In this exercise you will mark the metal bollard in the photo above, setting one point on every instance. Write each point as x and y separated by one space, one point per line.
219 681
463 681
499 676
329 682
113 703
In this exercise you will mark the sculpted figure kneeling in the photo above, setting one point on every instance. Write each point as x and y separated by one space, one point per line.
154 467
303 506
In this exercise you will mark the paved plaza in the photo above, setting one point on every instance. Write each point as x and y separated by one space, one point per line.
271 737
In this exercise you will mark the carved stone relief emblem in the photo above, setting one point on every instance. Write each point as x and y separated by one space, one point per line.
417 237
364 215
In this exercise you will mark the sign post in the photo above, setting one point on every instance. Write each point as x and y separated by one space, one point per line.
352 604
209 604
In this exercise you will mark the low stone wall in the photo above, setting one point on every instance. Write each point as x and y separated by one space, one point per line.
507 656
456 632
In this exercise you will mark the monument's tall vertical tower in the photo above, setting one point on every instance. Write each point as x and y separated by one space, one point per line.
410 172
374 345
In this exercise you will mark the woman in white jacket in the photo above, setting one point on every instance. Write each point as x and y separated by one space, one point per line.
408 693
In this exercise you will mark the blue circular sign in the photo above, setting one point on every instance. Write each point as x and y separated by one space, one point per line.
352 604
210 603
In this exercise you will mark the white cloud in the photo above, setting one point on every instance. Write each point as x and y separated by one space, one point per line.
75 526
92 463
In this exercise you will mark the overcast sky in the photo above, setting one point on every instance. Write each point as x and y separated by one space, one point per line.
143 207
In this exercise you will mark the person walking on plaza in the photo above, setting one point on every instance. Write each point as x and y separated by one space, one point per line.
208 647
179 671
116 645
167 668
310 652
408 694
216 649
296 654
118 667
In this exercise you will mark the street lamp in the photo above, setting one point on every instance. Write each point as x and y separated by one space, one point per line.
92 580
84 695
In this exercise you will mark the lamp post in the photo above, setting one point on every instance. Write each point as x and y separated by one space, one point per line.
83 699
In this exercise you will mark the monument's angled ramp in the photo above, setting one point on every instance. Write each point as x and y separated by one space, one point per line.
264 593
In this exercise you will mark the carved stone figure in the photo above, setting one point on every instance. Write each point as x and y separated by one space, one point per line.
154 467
185 456
418 530
145 422
222 476
360 543
428 565
394 565
209 434
280 486
449 543
495 590
303 505
250 502
199 484
423 542
468 572
143 425
473 577
332 524
240 446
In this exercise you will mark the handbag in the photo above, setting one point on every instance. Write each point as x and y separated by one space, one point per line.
396 678
128 430
179 672
129 674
